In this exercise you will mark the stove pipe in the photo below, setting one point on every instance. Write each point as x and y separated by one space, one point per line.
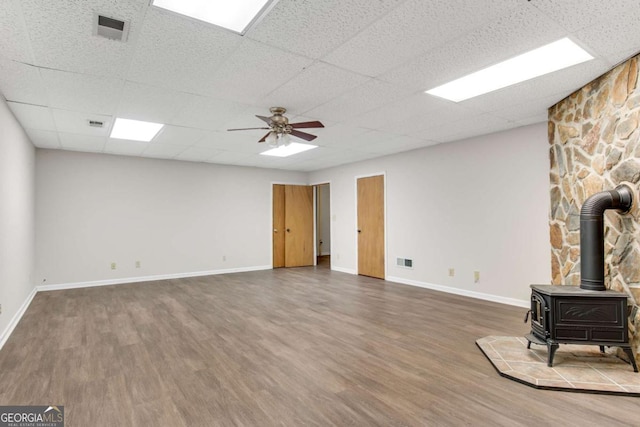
592 233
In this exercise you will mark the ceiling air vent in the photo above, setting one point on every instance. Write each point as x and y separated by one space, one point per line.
110 28
96 124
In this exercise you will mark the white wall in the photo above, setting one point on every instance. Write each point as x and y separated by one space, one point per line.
479 204
174 217
17 171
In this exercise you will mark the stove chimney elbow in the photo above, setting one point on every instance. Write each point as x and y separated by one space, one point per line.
592 233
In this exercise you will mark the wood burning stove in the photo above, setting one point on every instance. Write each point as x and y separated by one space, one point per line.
588 314
571 315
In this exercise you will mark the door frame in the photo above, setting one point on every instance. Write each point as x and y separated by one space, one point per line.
271 216
315 207
384 213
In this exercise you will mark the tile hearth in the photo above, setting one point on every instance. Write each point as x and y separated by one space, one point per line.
575 367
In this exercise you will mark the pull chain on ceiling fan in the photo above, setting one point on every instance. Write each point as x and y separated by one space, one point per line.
280 130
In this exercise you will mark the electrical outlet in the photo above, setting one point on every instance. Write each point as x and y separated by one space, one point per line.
476 276
137 264
452 272
113 265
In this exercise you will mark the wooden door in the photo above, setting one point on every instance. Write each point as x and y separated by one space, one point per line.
298 214
278 226
371 226
293 243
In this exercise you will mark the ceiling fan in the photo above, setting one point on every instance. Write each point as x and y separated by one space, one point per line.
280 129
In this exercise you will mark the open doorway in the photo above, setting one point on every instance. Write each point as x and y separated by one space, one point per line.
323 225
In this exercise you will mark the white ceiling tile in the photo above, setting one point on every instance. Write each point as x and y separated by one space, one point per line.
614 39
575 15
315 27
316 85
179 136
240 142
62 38
82 92
368 96
33 116
539 118
43 138
509 34
410 29
253 71
477 125
449 112
201 80
207 113
22 83
416 107
78 123
75 142
179 53
197 154
163 151
396 145
336 135
229 157
14 38
527 108
369 138
125 147
150 103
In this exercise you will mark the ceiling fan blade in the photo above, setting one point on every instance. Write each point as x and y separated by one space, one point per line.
301 125
265 137
267 120
247 129
303 135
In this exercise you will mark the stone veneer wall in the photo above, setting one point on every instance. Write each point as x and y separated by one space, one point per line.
595 146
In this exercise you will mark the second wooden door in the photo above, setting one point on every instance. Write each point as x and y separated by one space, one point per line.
371 226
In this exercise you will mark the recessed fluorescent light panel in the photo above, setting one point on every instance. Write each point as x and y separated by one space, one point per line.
135 130
234 15
546 59
289 150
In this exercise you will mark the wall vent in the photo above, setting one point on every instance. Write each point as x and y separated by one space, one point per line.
110 28
96 124
404 262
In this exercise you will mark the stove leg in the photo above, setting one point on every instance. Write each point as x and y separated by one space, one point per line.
629 353
528 345
601 349
551 348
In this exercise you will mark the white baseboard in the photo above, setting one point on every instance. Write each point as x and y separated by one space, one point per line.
463 292
109 282
16 318
344 270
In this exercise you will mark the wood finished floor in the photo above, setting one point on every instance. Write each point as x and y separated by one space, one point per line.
288 347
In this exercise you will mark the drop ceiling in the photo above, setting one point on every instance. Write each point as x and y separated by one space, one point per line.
359 66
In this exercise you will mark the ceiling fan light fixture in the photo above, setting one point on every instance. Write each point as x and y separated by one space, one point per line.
237 16
284 139
272 139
